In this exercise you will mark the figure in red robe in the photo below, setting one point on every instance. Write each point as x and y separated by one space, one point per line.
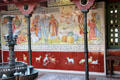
92 25
80 23
53 26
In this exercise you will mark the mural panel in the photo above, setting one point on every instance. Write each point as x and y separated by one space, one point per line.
72 61
57 39
63 27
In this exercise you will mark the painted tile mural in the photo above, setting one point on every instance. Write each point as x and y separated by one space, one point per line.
71 61
57 38
64 26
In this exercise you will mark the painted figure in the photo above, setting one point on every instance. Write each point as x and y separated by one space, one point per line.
18 30
46 27
43 24
92 24
4 26
22 37
80 23
35 25
16 25
35 29
66 15
53 26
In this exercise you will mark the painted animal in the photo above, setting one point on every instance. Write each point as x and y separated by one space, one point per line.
90 59
24 57
70 60
83 60
16 59
52 60
38 58
95 62
46 60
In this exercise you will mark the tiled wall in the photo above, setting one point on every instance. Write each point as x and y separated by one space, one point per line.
63 55
61 60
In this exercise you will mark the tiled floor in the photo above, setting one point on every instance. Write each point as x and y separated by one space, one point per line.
63 76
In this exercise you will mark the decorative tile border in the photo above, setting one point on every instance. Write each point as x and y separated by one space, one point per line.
65 48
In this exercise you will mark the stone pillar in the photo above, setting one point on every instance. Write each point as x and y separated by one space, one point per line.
86 44
29 38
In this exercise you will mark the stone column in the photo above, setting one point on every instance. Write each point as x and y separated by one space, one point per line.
29 38
86 45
